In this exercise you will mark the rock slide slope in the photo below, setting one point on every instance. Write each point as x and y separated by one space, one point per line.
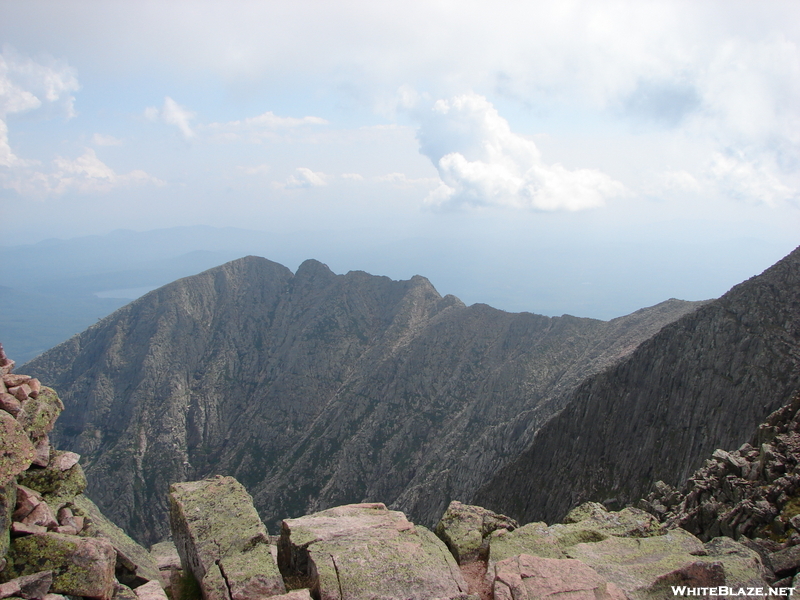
315 389
701 383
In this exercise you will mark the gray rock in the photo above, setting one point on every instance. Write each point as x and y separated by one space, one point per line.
222 541
364 551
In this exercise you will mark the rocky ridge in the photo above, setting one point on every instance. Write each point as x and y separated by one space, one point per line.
53 540
703 382
315 390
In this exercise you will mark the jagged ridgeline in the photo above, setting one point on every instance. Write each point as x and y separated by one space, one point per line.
701 383
315 389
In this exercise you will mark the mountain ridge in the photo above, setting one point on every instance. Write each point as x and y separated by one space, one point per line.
316 389
702 382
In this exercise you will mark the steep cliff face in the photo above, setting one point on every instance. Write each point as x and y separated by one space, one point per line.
703 382
316 389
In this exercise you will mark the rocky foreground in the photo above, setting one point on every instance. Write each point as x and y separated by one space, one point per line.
734 526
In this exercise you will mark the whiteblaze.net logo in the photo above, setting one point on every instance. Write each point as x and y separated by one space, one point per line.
723 590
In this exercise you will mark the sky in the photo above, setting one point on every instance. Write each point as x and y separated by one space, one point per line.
651 148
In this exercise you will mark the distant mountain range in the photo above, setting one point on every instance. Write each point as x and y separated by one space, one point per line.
315 389
54 289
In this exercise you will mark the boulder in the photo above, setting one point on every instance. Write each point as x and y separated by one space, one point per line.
123 592
628 522
303 594
535 539
42 456
528 577
26 500
466 530
222 541
39 414
30 587
151 590
10 404
18 529
647 567
364 551
81 566
590 522
17 450
134 564
56 485
786 561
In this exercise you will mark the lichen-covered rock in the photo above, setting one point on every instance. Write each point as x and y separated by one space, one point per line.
16 449
134 563
534 539
628 522
8 500
646 568
81 566
590 522
528 577
364 551
39 414
222 541
466 530
57 486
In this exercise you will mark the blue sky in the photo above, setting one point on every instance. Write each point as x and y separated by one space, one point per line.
540 137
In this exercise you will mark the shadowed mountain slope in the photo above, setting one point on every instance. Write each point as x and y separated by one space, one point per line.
316 389
703 382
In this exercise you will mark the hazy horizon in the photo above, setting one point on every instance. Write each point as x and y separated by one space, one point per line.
584 158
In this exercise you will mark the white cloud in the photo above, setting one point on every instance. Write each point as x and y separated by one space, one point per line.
748 180
26 85
85 174
353 176
270 120
481 162
256 129
173 113
303 178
